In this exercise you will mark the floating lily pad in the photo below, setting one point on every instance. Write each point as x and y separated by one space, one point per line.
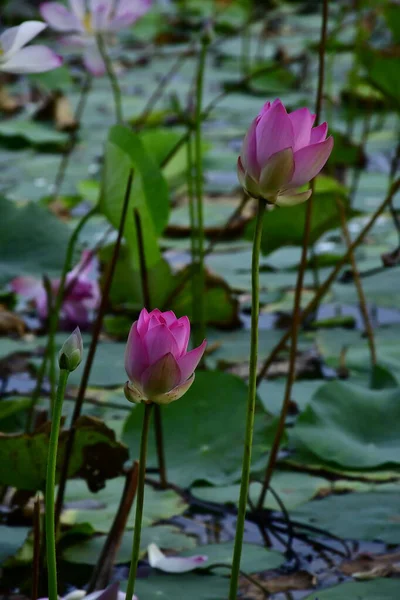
199 444
99 509
182 587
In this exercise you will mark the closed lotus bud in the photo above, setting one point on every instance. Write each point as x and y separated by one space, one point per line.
159 367
282 152
70 355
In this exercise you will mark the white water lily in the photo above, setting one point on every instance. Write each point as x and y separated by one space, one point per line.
15 58
173 564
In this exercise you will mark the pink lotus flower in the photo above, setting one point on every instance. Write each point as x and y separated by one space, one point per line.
282 152
81 297
157 362
86 19
15 58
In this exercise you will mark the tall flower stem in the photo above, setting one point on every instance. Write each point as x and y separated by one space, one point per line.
299 284
198 157
92 349
251 401
80 107
116 90
50 485
192 220
139 502
158 430
55 315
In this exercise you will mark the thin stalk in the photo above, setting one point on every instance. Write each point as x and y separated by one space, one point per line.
62 169
50 485
251 402
357 281
330 279
116 90
55 313
147 303
139 503
192 220
246 40
299 284
199 333
92 350
36 549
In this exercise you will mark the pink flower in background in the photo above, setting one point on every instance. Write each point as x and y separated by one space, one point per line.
159 367
87 18
16 58
282 152
81 297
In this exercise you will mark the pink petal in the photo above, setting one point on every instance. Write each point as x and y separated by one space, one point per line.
277 172
59 17
93 61
126 14
78 7
169 317
27 287
15 38
264 109
75 313
173 564
176 393
302 121
248 153
274 133
161 377
188 362
318 134
289 199
181 332
143 322
101 13
309 161
34 59
136 357
160 341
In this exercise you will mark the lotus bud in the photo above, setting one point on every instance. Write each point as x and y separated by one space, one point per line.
159 367
70 355
282 152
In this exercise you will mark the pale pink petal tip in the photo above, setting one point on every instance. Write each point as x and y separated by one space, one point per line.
173 564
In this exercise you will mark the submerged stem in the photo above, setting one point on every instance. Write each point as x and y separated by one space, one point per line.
139 503
251 402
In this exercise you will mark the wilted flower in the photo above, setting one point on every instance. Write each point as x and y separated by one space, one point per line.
15 58
70 355
156 359
173 564
282 152
87 18
81 294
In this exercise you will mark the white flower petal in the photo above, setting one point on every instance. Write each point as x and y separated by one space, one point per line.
173 564
15 38
34 59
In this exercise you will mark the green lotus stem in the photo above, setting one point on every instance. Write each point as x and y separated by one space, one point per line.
251 402
50 485
200 276
139 503
116 90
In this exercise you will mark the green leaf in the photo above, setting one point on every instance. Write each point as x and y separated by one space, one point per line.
32 241
96 455
165 536
352 426
12 538
99 509
31 133
187 585
254 558
383 74
359 516
149 194
285 226
377 589
198 443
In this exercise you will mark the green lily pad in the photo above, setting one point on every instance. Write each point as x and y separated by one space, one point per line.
12 538
254 558
165 536
351 426
359 516
198 443
182 587
99 509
